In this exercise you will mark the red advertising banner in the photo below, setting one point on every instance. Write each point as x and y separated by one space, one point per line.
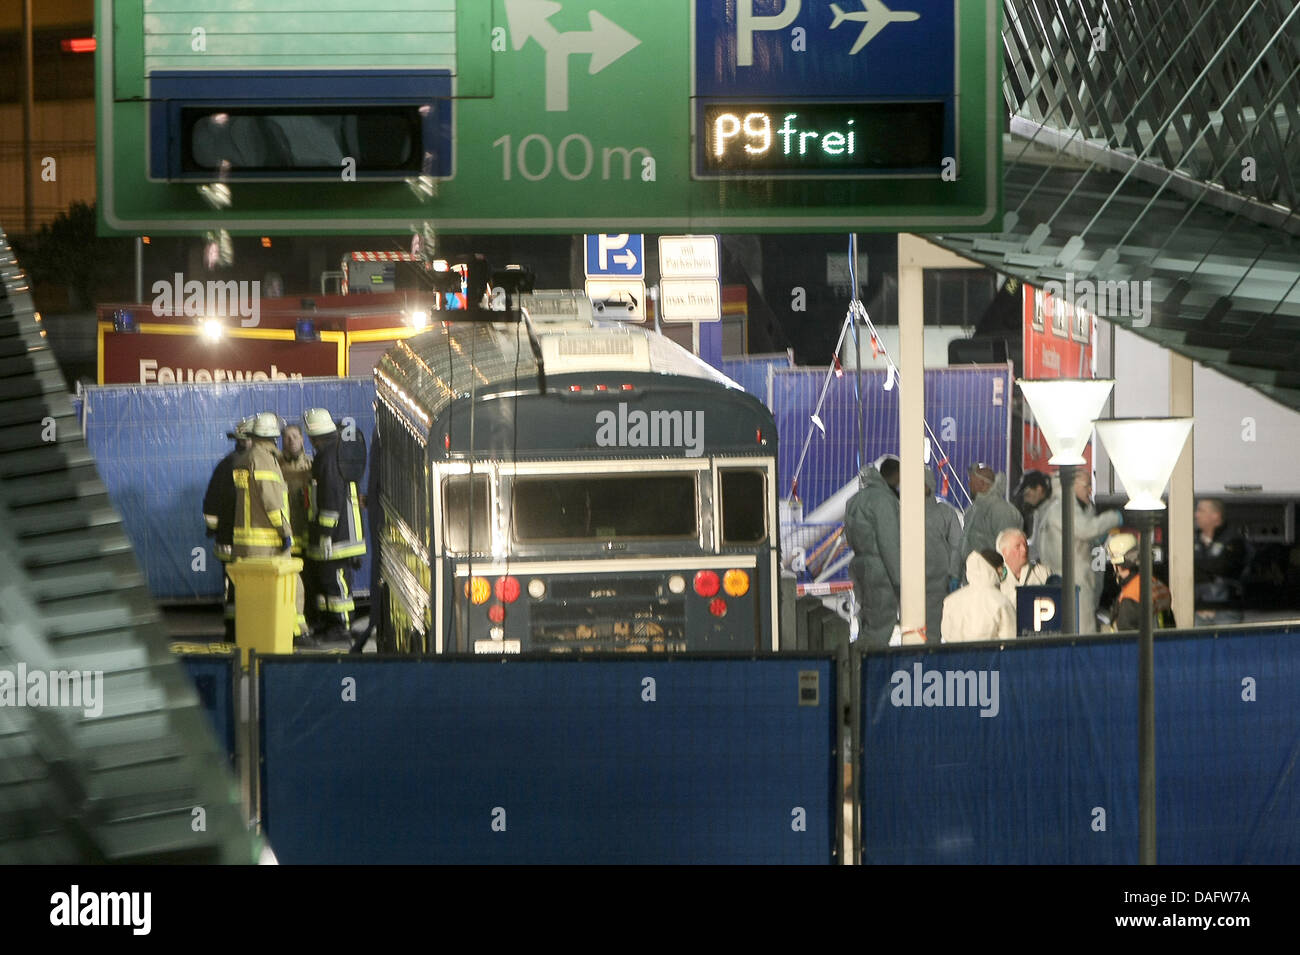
150 358
1058 344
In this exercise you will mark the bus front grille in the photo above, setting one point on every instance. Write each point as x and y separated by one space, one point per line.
638 626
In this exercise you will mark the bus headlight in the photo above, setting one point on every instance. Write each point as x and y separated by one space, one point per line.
478 590
735 583
706 583
507 589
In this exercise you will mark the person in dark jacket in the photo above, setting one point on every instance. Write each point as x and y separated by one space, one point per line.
1034 488
219 515
1127 614
336 542
871 528
1219 558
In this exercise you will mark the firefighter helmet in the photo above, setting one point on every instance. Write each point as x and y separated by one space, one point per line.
267 425
318 421
1123 549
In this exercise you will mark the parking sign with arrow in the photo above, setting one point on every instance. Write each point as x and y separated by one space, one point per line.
619 255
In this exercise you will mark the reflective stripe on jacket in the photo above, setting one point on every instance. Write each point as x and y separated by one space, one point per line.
333 509
261 499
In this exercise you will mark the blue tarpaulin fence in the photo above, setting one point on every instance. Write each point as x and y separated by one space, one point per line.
156 445
968 409
1053 776
593 761
214 682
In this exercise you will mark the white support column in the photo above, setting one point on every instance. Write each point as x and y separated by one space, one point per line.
915 255
1181 493
911 432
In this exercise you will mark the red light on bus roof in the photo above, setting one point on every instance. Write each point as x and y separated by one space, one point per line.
575 387
626 387
81 44
602 387
446 441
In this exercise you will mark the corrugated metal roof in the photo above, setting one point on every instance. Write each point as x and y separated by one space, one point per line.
1154 145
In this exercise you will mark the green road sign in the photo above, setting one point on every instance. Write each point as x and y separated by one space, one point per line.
569 116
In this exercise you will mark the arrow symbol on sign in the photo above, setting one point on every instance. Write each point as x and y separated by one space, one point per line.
626 258
606 41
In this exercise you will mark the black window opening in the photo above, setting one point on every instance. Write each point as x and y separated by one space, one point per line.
605 508
744 506
459 507
300 139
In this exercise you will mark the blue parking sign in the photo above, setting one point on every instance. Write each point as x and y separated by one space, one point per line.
811 48
619 255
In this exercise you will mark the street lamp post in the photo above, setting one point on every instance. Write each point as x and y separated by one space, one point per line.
1065 408
1144 452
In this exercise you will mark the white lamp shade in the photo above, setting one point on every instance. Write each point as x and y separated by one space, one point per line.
1144 452
1065 409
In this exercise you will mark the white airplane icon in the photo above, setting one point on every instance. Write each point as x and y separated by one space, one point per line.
874 17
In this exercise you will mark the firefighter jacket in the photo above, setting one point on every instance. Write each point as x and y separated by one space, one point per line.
297 478
219 504
333 510
261 502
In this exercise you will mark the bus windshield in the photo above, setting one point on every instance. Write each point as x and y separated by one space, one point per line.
553 508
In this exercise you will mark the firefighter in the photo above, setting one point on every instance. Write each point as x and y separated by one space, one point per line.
262 524
219 515
295 465
335 541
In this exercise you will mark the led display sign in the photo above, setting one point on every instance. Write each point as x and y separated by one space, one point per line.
821 139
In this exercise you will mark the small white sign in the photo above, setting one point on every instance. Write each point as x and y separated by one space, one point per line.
690 300
688 256
618 299
496 646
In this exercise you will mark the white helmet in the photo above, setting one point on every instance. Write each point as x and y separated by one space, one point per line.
318 421
267 425
1123 548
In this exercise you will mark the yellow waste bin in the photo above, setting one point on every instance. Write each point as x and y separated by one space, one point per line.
265 603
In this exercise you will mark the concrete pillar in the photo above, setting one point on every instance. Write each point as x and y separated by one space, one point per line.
1181 491
911 432
915 255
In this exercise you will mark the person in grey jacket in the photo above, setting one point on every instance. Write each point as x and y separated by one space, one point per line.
990 512
871 528
943 534
1089 525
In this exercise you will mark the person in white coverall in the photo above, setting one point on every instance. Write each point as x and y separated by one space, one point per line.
942 556
1088 526
979 611
1021 571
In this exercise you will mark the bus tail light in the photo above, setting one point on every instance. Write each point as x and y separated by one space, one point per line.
497 613
507 589
676 584
706 583
718 607
735 583
478 590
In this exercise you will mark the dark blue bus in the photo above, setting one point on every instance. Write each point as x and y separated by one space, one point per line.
628 506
